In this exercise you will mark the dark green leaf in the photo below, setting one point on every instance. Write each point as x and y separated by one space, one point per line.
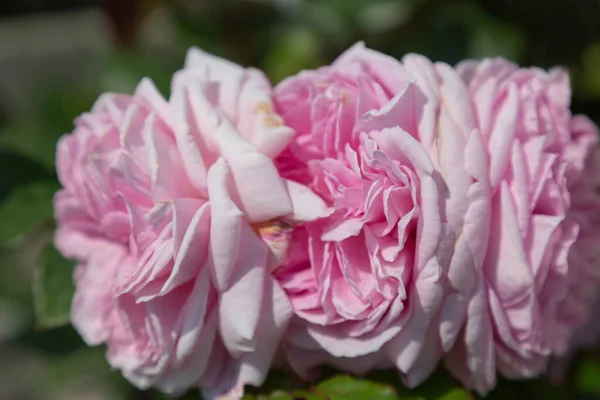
277 381
57 342
588 82
27 207
529 389
53 289
25 141
17 170
588 377
190 395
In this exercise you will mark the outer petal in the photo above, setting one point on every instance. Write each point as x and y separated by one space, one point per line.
245 292
274 318
385 69
92 304
190 146
425 299
226 76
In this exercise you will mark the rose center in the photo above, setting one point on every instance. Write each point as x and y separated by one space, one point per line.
277 235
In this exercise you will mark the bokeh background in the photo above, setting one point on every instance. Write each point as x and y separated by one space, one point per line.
57 56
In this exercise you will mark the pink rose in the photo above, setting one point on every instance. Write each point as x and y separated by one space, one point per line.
178 218
323 105
575 311
583 296
528 298
394 151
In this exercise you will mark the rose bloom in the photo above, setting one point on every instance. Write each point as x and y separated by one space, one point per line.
394 151
584 296
177 217
540 273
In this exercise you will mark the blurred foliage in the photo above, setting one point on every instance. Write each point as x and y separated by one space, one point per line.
384 385
282 37
52 289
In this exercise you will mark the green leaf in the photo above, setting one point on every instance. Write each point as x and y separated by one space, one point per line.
355 388
439 386
25 232
53 289
456 394
588 79
384 385
588 377
277 395
26 207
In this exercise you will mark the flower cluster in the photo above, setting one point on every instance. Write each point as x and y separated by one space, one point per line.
369 214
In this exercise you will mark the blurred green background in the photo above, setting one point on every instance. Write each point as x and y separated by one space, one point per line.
57 56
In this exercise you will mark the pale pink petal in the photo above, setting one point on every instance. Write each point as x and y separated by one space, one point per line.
306 205
274 318
255 175
245 292
191 240
169 180
226 221
188 144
